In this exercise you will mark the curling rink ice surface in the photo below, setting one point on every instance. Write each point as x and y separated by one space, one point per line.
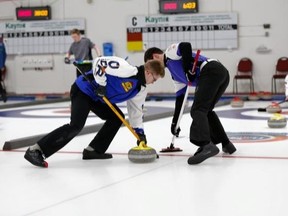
251 182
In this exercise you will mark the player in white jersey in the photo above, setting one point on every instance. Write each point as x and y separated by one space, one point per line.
120 82
211 79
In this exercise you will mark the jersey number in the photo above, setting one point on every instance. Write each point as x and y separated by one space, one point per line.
104 63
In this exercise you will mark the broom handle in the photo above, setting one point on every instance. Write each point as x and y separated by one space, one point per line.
187 90
181 112
186 94
120 117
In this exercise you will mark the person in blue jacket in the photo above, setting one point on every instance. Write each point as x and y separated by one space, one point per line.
3 56
120 82
211 79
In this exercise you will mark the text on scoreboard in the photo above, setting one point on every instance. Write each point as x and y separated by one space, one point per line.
39 37
204 31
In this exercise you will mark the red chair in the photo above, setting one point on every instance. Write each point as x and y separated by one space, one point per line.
281 71
244 71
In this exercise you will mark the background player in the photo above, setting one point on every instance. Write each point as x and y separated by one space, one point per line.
81 48
3 56
211 80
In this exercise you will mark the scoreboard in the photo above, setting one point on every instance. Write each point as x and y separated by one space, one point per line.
33 13
204 31
39 37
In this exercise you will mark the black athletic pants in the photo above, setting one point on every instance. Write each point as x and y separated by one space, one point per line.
84 68
206 126
81 105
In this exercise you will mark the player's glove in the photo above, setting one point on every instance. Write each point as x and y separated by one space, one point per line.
100 91
141 134
190 77
175 131
67 60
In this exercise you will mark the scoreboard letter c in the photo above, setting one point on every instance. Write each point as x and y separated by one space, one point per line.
134 19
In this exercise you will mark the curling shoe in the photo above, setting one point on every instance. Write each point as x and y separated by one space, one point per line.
229 148
203 153
90 155
35 157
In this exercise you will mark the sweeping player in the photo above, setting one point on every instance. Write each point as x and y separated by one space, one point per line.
211 79
120 82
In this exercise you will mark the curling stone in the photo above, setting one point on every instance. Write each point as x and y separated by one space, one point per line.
266 96
277 121
253 96
237 102
274 108
142 154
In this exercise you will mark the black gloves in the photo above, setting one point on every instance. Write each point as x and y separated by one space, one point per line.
67 60
142 139
141 134
175 131
100 91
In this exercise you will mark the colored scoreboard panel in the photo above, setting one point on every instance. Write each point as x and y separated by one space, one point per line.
204 31
33 13
178 6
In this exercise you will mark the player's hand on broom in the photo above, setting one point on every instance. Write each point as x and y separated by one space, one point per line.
142 136
100 91
101 79
175 131
67 60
